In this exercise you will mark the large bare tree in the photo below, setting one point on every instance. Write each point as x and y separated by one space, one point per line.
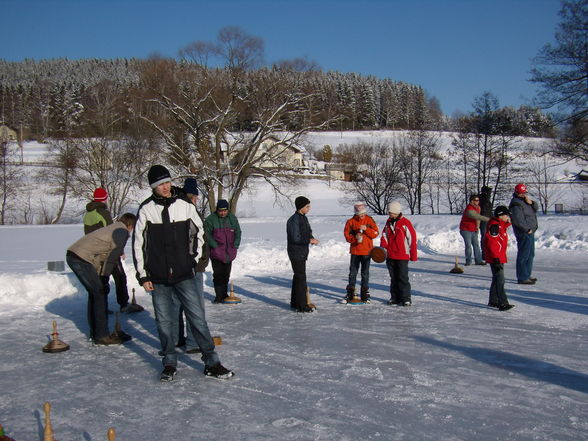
226 125
378 180
561 69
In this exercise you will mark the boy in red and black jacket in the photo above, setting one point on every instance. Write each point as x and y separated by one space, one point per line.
495 246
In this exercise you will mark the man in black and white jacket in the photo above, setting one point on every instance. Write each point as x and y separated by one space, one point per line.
167 241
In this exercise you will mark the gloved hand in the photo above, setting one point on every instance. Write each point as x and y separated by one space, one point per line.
359 237
363 228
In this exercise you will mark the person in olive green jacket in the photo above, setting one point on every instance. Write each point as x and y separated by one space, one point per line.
93 257
223 235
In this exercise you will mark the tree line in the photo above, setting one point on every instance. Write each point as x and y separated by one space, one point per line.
212 112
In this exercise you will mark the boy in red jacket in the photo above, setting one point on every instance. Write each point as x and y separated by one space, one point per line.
495 245
360 231
400 241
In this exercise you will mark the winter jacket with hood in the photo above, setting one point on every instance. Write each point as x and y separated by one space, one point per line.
97 216
352 227
102 248
496 241
167 239
399 238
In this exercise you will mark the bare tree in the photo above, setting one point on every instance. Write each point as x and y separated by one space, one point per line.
561 69
10 176
232 129
542 178
116 165
379 176
62 158
419 156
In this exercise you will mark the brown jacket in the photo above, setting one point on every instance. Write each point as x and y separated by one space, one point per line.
103 247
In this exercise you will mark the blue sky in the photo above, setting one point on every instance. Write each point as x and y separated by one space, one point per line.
455 49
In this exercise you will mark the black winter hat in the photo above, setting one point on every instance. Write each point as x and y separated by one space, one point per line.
158 174
500 210
301 202
222 204
191 186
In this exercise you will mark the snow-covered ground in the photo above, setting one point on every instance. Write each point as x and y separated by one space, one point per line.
447 368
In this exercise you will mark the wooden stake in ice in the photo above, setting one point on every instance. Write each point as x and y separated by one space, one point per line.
48 433
55 345
231 298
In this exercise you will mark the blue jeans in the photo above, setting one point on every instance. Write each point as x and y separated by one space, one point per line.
166 304
471 240
190 340
88 276
354 265
525 256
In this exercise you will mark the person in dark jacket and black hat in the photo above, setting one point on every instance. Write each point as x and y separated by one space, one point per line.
299 235
167 241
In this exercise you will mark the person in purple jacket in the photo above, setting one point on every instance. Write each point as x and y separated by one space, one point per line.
223 234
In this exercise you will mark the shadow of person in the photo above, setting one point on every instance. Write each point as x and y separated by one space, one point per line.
519 364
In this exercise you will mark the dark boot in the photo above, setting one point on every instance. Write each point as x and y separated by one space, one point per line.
220 293
365 294
350 292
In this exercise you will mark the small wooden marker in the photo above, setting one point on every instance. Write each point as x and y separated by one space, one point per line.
48 432
55 345
310 305
456 269
217 341
232 299
111 434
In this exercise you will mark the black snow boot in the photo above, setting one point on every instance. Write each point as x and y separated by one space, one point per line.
350 292
365 294
220 292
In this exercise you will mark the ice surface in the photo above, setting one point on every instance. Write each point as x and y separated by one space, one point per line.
447 368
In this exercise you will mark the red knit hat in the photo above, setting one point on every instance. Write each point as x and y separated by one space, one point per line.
100 195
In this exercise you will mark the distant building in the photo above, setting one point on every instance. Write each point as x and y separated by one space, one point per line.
7 134
341 172
279 155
